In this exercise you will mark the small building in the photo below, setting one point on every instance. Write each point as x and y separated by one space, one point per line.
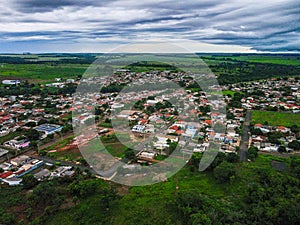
18 144
3 152
139 129
11 82
12 181
48 128
148 155
43 174
20 160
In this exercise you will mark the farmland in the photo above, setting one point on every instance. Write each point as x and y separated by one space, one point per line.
229 68
292 60
41 72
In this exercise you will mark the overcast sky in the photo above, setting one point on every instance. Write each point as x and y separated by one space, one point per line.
100 25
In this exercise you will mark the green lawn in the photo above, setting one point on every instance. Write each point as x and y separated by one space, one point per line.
228 92
276 118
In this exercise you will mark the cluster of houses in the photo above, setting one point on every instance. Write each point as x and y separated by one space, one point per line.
264 143
16 168
32 112
276 95
190 125
283 94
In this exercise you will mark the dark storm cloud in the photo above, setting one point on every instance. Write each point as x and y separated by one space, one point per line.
28 6
269 25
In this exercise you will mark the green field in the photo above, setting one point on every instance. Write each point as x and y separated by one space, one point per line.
276 118
255 187
291 60
41 72
153 204
294 61
229 68
228 92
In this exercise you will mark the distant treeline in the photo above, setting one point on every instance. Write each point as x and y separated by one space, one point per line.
229 73
69 59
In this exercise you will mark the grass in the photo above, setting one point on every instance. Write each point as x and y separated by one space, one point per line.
59 144
41 72
9 136
228 92
116 149
276 118
291 60
281 60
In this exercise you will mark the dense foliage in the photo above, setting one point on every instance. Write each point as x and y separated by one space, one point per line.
229 192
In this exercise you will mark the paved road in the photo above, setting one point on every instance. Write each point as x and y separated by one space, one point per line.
245 137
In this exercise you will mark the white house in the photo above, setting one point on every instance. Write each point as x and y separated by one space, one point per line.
11 82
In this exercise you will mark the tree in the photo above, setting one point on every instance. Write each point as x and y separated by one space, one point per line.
257 131
295 129
172 147
187 203
130 154
295 166
252 153
218 160
294 145
32 135
232 157
33 144
45 194
83 188
281 149
200 219
29 181
224 172
108 195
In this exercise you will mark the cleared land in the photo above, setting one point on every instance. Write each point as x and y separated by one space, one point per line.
276 118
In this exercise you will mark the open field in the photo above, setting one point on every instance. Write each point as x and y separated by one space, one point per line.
41 72
292 60
276 118
229 68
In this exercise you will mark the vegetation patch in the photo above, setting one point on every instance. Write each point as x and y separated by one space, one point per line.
275 118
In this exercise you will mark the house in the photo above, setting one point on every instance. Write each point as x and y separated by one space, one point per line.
6 174
148 155
42 174
17 144
12 181
48 128
6 166
20 160
190 132
282 129
3 152
11 82
139 129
